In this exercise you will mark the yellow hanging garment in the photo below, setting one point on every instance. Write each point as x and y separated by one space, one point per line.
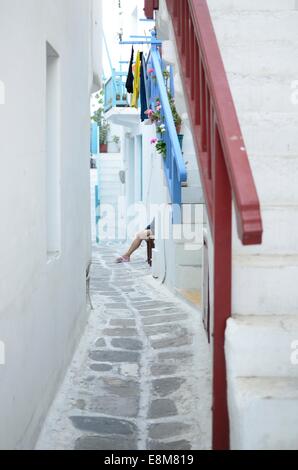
136 83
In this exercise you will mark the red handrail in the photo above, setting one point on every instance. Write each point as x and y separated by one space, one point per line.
150 6
225 173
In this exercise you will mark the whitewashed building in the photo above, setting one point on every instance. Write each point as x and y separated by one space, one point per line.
50 63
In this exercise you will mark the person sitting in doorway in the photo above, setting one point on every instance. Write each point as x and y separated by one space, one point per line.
146 234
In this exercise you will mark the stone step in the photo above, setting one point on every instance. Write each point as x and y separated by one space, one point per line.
266 58
280 224
193 177
265 284
188 277
185 255
108 165
110 157
109 172
263 413
246 5
188 234
252 26
253 92
109 200
191 296
106 183
110 187
192 213
261 345
270 133
191 162
111 184
110 196
276 178
188 146
192 194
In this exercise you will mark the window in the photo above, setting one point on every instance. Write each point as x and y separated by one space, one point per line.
53 189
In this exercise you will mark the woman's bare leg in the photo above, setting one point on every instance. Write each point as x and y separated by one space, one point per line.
137 242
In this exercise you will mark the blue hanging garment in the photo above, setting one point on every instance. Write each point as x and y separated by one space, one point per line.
143 91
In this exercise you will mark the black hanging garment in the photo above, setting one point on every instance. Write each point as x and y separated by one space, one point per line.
143 91
130 78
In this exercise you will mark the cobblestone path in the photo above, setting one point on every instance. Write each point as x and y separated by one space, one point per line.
139 378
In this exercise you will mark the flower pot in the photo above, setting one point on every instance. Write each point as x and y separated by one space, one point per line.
180 137
178 128
103 148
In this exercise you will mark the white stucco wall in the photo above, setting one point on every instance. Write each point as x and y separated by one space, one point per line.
42 303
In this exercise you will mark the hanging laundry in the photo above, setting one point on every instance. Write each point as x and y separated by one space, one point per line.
130 78
136 83
143 90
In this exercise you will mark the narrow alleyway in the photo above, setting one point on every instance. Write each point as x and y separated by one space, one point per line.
140 376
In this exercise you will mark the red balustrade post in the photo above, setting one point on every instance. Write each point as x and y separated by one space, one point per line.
222 240
192 61
203 110
208 129
197 83
180 23
187 39
174 8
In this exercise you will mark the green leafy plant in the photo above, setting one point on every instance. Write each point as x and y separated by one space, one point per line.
177 118
156 115
161 148
166 75
104 131
98 115
116 139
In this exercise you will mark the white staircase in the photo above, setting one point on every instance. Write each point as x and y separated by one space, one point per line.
258 40
187 237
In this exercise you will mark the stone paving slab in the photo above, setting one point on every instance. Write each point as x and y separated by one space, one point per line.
140 376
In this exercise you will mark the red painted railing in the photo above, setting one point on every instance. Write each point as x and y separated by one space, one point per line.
225 173
150 6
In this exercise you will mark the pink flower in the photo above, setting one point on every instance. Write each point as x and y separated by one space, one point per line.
153 141
149 112
158 108
150 70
